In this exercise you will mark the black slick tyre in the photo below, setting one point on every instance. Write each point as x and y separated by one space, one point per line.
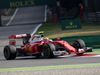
48 50
79 44
10 52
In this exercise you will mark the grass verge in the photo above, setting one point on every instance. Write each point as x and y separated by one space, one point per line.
48 67
12 12
53 30
95 51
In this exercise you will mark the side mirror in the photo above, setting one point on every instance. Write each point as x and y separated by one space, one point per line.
58 39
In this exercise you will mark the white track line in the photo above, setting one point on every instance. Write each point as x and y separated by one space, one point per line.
12 17
36 29
79 56
96 56
45 15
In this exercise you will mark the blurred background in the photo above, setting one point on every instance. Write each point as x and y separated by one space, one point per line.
59 18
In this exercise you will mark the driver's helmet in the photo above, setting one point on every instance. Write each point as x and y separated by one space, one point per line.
36 38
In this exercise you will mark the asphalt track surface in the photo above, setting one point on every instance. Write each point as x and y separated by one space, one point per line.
17 27
29 15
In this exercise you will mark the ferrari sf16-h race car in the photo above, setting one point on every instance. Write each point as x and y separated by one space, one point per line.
38 45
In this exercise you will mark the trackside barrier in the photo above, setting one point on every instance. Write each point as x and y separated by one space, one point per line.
91 41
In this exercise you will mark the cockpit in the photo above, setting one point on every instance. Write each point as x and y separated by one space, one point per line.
36 38
39 38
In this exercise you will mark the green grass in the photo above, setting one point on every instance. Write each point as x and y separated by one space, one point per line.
50 28
53 30
48 67
12 12
95 51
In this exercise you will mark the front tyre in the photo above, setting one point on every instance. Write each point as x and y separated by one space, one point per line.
78 44
48 50
10 52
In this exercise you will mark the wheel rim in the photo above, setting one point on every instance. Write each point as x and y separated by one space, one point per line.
76 44
46 51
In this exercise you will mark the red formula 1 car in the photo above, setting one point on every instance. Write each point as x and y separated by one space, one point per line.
39 45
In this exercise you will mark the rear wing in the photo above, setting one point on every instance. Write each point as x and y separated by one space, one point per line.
12 38
19 36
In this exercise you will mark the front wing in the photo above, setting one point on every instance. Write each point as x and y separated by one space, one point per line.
84 50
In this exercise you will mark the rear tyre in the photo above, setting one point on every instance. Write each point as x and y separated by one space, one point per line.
79 44
10 52
48 50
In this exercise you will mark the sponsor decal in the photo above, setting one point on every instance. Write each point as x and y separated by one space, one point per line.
30 49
